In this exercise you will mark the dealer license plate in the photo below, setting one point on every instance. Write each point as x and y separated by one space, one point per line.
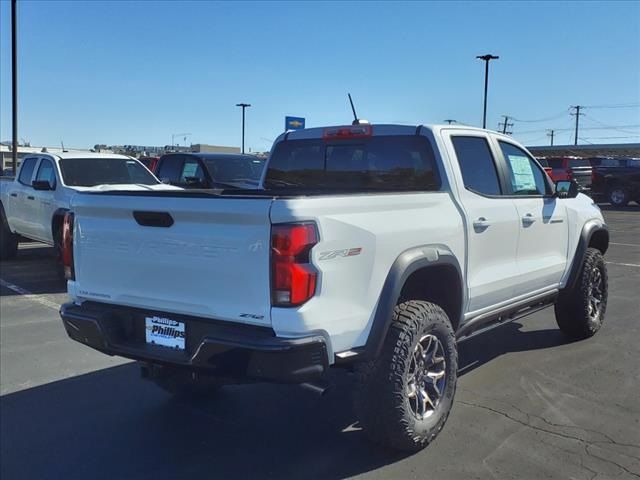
165 332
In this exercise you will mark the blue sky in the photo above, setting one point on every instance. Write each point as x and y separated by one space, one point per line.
137 72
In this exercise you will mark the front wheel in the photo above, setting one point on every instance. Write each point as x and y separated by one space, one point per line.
404 396
580 310
618 196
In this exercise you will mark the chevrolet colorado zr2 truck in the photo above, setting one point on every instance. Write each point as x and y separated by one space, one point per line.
370 247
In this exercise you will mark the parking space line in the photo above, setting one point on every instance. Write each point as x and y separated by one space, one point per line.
624 264
624 244
30 295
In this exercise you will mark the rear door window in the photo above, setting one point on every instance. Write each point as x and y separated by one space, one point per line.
382 163
477 165
170 169
191 171
26 172
46 172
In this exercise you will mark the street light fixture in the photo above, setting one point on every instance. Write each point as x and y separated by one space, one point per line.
486 59
243 105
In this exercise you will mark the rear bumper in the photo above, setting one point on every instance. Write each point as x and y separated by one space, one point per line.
224 349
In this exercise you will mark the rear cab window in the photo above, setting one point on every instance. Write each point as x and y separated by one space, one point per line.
396 163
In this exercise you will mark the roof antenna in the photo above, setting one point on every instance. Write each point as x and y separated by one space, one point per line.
356 120
353 109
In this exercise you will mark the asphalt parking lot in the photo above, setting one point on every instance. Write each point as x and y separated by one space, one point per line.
529 404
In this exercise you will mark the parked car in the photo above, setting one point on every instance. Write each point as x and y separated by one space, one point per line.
374 248
571 168
616 180
33 204
210 170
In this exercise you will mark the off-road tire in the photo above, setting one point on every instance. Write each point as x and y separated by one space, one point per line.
572 308
8 239
618 196
381 398
182 384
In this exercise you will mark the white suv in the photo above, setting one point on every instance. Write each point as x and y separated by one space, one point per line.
374 248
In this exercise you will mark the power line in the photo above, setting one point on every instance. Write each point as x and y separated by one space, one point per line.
602 127
611 138
548 119
609 127
619 105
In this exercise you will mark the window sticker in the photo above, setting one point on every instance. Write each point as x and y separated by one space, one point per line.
523 179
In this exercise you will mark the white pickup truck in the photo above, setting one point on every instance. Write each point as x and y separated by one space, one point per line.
33 204
371 247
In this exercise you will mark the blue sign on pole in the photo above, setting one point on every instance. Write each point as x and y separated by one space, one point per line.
293 123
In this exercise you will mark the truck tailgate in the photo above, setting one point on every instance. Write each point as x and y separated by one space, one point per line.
213 261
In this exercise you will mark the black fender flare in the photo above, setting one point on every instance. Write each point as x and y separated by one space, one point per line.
590 228
407 263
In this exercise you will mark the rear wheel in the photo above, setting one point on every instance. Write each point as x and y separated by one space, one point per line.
618 196
8 239
580 311
404 396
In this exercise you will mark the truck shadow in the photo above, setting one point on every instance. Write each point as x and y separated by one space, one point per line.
34 269
610 208
110 424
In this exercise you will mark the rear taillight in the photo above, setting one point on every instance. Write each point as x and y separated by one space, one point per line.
293 278
67 246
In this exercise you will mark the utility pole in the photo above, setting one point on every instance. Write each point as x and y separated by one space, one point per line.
449 121
504 125
243 105
550 134
14 87
486 59
577 115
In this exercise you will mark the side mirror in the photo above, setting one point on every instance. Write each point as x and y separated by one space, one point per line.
42 185
566 189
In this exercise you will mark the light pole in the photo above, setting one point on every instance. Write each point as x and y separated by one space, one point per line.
486 59
174 135
243 105
14 87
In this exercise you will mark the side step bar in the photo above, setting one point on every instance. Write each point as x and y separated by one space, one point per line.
495 318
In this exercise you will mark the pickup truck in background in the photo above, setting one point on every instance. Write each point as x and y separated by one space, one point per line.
210 170
33 204
570 168
374 248
616 180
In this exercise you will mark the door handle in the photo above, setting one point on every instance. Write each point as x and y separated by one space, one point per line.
481 224
29 197
528 220
14 194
